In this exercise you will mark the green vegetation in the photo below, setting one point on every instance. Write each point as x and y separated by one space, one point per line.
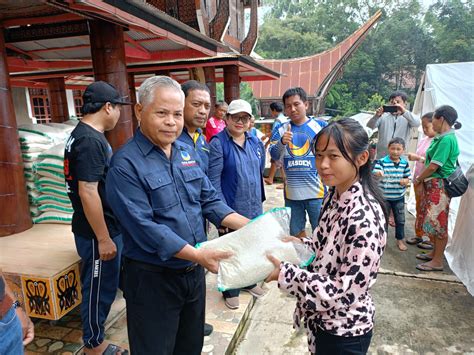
392 57
245 94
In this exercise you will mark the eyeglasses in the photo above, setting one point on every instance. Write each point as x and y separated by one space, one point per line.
243 118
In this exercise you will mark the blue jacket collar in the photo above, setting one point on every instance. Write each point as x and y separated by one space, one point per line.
146 146
229 137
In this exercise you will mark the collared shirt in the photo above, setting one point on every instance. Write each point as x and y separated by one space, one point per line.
248 196
392 174
161 203
201 147
333 293
444 152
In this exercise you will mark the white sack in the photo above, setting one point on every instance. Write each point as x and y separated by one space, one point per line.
250 246
55 152
40 133
53 217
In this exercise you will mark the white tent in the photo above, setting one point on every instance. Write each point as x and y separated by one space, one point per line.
453 84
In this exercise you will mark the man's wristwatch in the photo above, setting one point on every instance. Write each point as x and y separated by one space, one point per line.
16 304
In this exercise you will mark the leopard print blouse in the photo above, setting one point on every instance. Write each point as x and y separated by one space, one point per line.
333 294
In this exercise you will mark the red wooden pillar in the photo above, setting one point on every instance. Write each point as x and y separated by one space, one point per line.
14 209
108 61
231 83
133 98
210 73
58 100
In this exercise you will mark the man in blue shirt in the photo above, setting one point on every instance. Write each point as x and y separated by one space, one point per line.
197 105
304 190
161 196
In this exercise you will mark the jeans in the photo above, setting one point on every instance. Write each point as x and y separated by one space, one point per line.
11 334
99 283
329 344
398 209
299 208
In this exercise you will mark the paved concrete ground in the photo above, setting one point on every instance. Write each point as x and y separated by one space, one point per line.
416 313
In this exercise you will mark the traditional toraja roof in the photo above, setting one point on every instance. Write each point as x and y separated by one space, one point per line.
55 35
78 78
51 39
314 72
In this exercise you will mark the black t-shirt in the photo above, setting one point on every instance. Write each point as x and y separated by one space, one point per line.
86 158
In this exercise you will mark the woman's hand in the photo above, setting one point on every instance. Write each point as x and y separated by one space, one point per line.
290 238
274 275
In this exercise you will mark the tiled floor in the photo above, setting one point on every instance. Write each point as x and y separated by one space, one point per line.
65 335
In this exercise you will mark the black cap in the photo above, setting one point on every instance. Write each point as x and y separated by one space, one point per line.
102 92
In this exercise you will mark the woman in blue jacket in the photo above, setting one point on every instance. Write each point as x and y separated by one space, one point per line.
236 164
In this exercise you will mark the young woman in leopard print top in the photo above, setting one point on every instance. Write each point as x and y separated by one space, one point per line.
332 295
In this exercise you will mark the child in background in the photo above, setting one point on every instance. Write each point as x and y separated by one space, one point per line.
333 299
395 173
419 158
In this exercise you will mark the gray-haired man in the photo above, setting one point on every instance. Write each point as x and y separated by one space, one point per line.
161 196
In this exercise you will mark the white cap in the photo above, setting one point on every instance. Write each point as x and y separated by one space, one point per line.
237 106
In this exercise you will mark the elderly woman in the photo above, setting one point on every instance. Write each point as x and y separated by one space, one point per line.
236 164
216 123
441 158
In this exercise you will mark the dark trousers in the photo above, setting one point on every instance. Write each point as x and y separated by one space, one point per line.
398 209
234 292
328 344
99 282
165 309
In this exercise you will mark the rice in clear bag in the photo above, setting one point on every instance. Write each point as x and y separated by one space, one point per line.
250 246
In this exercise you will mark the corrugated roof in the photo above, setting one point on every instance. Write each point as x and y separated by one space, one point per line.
140 35
162 45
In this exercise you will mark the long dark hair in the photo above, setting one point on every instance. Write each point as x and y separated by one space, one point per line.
352 140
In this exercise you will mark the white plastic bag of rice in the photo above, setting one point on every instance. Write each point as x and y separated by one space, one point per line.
250 246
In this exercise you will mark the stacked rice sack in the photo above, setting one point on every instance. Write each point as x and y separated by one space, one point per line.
43 150
53 201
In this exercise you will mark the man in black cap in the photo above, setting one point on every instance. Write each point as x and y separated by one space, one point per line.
96 233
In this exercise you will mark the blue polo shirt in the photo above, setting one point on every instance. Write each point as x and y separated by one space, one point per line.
161 203
200 145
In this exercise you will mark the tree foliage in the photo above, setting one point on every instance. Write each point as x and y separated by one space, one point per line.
392 57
